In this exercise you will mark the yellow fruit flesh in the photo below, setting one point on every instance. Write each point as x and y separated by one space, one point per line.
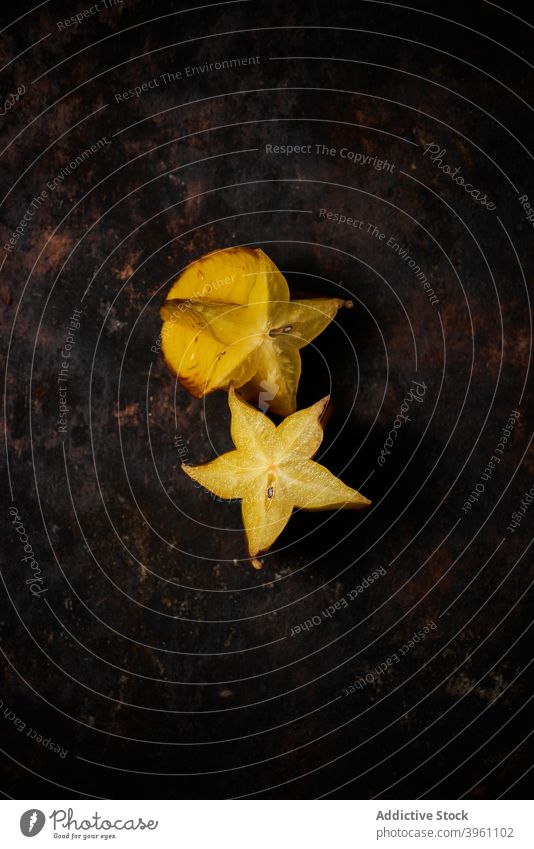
228 318
272 472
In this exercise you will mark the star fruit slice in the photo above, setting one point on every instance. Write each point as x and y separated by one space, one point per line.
272 472
228 319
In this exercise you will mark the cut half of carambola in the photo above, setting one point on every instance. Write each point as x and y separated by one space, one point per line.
272 471
228 318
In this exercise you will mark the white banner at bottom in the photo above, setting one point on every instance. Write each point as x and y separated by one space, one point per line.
262 824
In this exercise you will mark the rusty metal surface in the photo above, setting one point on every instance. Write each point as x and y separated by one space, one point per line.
138 645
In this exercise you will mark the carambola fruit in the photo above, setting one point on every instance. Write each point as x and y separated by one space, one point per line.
228 318
271 470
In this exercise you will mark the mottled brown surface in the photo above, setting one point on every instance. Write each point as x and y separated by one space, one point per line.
154 635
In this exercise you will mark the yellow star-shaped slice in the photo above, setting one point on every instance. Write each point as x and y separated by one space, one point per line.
229 319
272 472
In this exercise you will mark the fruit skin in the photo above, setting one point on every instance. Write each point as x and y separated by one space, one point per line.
228 318
272 472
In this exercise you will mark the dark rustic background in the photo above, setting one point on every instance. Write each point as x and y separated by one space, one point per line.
157 659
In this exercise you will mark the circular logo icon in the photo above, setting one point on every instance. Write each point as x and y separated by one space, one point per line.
31 822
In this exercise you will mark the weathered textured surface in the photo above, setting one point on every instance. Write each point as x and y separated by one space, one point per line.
154 635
